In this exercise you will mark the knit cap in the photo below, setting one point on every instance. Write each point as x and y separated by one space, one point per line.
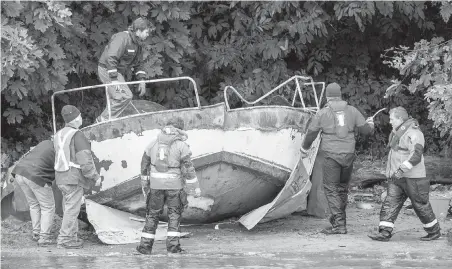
69 113
333 90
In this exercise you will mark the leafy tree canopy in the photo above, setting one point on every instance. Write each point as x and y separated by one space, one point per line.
49 46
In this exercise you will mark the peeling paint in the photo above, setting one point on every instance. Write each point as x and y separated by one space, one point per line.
277 141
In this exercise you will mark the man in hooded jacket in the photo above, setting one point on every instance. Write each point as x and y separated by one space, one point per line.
74 172
166 169
338 122
406 175
123 54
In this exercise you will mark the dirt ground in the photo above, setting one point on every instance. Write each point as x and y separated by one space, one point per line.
296 233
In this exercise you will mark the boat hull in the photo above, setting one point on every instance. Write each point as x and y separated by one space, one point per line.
243 157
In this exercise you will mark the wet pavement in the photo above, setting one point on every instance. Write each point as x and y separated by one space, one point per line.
330 259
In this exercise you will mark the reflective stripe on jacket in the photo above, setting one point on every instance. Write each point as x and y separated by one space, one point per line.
122 54
402 156
180 168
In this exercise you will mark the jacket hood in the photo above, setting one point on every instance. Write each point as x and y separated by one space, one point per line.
169 134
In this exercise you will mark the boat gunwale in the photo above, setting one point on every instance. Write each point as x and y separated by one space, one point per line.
298 109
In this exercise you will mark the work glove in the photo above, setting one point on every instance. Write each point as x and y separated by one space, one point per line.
303 153
142 88
397 174
370 120
98 182
193 192
116 85
197 192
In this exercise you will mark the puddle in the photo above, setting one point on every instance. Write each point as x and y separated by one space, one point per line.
248 260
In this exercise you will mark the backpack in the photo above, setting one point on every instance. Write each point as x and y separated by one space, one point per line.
163 147
340 123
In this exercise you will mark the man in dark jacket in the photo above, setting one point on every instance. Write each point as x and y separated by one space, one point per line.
406 175
338 122
123 53
74 172
166 168
34 174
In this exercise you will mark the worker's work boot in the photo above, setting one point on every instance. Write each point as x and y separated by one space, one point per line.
144 250
431 236
145 246
45 242
176 250
334 230
73 244
383 236
35 237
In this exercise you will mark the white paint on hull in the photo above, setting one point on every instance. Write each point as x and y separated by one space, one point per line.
279 147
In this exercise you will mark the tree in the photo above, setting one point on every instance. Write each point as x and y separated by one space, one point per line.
426 68
49 46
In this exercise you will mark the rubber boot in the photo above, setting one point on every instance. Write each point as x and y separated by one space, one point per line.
338 227
176 250
334 230
433 233
432 236
383 236
145 246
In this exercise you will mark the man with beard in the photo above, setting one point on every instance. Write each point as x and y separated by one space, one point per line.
406 175
123 53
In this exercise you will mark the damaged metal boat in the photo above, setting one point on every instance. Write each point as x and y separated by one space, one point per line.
243 157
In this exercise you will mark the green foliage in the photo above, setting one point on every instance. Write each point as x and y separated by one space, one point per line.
49 46
426 68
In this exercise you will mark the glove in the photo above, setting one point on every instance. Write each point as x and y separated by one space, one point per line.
303 153
98 182
370 120
397 174
197 192
142 88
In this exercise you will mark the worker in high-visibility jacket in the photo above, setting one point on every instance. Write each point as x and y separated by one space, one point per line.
74 172
407 178
166 173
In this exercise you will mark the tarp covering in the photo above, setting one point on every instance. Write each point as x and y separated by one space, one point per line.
115 227
317 204
291 198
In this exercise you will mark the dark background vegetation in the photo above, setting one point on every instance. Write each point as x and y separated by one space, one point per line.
253 46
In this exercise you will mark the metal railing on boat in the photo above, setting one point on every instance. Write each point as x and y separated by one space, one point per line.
297 91
117 84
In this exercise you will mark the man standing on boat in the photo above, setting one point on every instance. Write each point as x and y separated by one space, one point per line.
406 175
123 53
166 169
74 172
337 121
